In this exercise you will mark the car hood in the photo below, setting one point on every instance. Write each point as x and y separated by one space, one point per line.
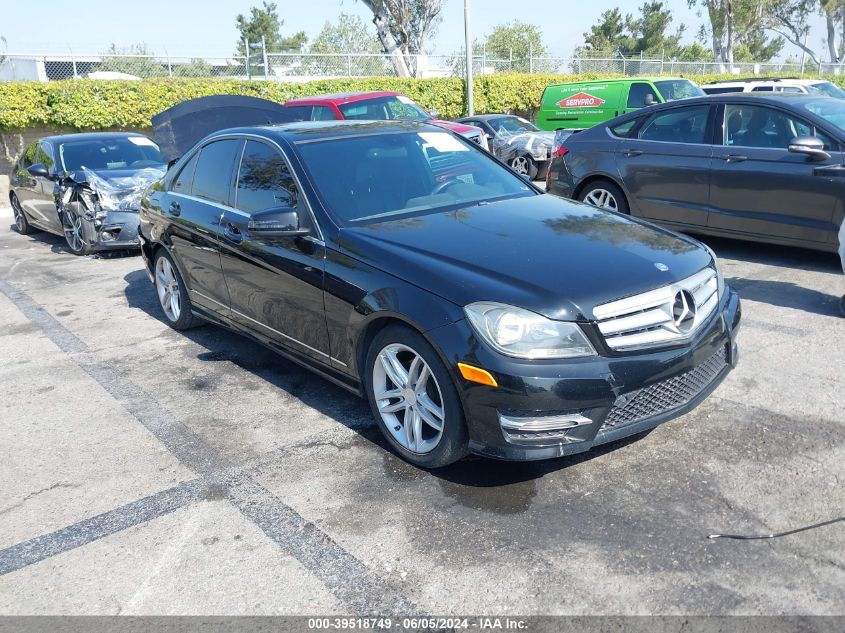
458 128
554 257
119 189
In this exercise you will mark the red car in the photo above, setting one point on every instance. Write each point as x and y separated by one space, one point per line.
376 106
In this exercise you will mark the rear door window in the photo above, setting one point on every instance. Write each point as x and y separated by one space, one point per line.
323 113
678 125
264 180
182 183
626 129
213 175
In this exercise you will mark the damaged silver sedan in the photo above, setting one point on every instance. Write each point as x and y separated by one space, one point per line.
516 142
85 187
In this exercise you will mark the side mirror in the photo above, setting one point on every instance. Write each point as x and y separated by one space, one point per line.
649 99
39 170
279 222
435 114
811 146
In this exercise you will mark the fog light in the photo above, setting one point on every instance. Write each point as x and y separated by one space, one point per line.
544 423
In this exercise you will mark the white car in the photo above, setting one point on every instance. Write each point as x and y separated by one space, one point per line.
776 84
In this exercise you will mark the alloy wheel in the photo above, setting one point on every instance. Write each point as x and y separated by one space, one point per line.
602 199
520 165
73 231
167 287
408 398
20 221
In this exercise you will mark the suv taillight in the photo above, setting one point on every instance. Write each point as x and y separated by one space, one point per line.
559 151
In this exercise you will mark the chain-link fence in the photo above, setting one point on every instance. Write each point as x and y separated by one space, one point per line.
304 66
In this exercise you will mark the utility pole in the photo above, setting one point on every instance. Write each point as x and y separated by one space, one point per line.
468 38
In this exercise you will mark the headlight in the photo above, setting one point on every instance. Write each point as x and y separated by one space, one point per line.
523 334
720 278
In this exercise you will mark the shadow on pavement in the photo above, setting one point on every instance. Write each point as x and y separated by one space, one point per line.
773 255
786 295
221 344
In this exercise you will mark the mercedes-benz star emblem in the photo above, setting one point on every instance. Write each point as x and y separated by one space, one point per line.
661 267
683 311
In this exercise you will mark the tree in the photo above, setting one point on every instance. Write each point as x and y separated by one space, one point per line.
606 35
135 59
516 40
349 35
404 28
264 22
790 19
735 22
647 34
834 15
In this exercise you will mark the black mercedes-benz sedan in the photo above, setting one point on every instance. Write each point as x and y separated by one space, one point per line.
85 187
475 313
754 166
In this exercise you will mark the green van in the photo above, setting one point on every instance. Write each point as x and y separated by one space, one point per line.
582 104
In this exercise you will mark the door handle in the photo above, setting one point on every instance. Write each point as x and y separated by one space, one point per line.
733 158
232 233
630 153
175 208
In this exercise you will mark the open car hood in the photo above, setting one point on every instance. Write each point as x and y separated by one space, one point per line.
179 128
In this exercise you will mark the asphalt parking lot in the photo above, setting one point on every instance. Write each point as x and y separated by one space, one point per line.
148 471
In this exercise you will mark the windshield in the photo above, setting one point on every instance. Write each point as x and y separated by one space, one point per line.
828 89
512 125
372 178
674 89
831 110
385 109
131 152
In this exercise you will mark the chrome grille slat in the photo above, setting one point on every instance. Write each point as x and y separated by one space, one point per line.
646 319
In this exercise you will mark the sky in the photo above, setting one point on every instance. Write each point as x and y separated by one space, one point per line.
200 28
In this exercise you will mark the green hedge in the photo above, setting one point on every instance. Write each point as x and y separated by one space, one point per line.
92 105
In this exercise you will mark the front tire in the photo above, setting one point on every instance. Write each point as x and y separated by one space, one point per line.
172 293
525 166
74 225
22 225
605 195
414 399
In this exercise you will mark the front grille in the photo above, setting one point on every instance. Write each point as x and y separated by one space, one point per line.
664 316
666 395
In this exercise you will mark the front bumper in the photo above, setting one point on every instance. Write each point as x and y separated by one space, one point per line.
118 230
600 399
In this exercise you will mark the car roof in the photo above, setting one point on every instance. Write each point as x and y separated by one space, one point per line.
652 78
341 97
88 136
766 80
740 97
305 131
488 116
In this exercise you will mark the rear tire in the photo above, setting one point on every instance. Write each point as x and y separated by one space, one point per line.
22 225
414 399
172 293
605 194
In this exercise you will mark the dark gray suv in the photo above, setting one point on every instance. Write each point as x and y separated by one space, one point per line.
759 167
